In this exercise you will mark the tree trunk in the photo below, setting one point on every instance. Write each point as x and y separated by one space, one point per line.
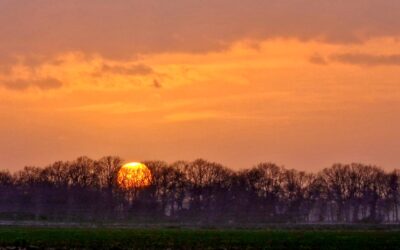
356 211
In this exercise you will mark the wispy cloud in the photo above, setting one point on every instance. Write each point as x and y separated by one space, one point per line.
157 84
23 84
318 59
192 116
131 70
367 59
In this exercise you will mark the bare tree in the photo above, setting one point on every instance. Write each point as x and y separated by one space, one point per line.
264 181
201 191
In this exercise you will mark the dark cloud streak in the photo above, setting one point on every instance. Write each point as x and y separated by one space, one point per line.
368 59
157 84
318 59
23 84
133 70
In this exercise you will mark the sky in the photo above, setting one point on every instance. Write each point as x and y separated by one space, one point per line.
301 83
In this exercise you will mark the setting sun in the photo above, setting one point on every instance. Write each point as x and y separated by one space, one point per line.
134 175
137 124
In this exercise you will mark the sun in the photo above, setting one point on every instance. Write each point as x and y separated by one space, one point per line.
134 175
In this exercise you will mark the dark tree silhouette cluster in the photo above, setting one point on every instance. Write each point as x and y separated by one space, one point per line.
201 192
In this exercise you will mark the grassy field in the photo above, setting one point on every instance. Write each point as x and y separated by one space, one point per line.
110 238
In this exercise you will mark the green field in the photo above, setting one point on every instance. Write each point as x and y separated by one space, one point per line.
109 238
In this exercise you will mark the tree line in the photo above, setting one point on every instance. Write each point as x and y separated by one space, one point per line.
201 192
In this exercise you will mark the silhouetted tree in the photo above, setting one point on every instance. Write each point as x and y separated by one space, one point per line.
201 191
393 193
264 185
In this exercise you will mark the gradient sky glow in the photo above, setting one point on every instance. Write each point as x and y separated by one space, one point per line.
301 83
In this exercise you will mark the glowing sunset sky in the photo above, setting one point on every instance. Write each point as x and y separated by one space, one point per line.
301 83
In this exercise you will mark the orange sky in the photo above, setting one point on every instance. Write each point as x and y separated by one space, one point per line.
301 83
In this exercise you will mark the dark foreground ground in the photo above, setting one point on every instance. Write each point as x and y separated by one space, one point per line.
151 238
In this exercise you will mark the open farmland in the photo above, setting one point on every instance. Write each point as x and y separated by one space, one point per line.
112 238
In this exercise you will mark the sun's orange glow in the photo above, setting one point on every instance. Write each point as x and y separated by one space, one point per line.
300 93
134 175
